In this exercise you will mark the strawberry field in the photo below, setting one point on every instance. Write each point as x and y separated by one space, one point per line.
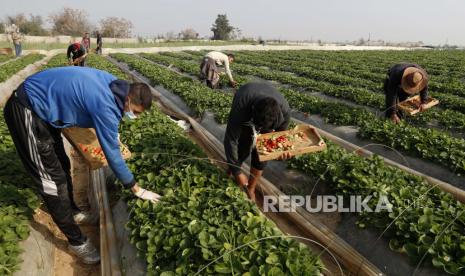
204 224
435 136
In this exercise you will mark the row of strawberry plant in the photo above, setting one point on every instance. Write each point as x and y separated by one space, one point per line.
203 217
4 58
95 61
426 143
408 240
13 67
197 96
448 101
337 69
17 203
402 245
440 63
424 223
188 67
447 119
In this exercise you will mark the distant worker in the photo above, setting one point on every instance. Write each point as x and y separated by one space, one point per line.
76 54
86 42
62 97
98 50
257 108
209 70
404 80
16 37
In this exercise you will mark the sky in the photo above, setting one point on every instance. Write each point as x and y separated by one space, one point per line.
433 22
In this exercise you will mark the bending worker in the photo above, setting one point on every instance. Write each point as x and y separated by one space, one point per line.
257 108
57 98
209 70
404 80
76 54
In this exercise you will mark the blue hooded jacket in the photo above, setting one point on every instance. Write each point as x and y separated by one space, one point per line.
83 97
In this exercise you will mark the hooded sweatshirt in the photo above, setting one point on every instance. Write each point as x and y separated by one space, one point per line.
241 115
82 97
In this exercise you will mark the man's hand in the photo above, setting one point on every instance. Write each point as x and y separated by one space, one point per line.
233 84
285 156
145 194
422 107
242 180
395 119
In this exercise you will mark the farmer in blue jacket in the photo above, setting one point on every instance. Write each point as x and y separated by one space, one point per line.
58 98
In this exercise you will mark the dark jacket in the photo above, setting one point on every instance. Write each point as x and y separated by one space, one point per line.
76 50
99 40
241 115
394 93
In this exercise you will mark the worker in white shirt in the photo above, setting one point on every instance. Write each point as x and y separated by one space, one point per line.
209 70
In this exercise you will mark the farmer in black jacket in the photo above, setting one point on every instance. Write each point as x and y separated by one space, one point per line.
256 108
404 80
76 51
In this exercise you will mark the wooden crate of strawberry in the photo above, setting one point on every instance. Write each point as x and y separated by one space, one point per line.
412 105
85 141
299 140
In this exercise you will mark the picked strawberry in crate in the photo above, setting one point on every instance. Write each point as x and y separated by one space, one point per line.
302 139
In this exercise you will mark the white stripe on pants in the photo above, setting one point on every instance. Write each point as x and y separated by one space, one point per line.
49 186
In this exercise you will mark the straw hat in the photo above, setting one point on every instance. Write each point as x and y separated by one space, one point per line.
413 80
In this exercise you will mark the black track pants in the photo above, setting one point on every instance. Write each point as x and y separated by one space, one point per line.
41 150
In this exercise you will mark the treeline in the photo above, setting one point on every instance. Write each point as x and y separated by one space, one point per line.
68 21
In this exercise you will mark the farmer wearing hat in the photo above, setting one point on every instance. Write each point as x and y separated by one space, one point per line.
402 81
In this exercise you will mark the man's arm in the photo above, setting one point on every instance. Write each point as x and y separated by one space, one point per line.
424 94
228 71
390 90
106 126
285 124
231 140
68 53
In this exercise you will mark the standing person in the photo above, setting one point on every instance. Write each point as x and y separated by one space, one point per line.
256 108
17 39
76 54
404 80
57 98
86 42
99 43
209 70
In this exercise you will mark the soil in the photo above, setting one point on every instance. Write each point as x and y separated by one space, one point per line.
65 262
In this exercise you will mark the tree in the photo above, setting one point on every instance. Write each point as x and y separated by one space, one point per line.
32 26
170 35
221 28
236 34
2 27
116 27
70 21
360 42
188 33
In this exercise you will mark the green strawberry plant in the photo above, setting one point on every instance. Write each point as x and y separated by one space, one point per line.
203 216
370 176
13 67
94 61
17 204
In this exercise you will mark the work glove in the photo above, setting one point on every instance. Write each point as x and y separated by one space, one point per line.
147 195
